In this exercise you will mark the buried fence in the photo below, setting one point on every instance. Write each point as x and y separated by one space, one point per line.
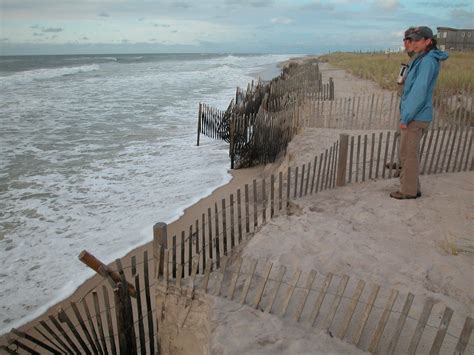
371 318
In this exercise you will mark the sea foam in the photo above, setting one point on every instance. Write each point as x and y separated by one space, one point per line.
92 163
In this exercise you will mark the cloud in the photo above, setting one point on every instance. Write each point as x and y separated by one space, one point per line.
141 19
443 4
281 20
36 34
52 29
463 17
398 34
389 5
181 4
85 38
45 29
317 5
124 41
103 14
4 39
252 3
160 25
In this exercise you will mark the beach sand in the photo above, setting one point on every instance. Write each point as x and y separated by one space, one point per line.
356 230
359 231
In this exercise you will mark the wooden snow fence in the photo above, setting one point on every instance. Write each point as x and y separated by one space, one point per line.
352 159
364 314
262 138
99 322
260 121
230 222
116 316
381 111
376 155
208 245
211 123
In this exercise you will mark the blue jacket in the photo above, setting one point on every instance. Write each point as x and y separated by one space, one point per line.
416 102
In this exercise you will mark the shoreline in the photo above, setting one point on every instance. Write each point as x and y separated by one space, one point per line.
238 179
188 215
233 180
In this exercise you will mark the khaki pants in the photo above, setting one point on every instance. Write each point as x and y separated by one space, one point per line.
410 157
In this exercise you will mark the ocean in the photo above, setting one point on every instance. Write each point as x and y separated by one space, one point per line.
94 150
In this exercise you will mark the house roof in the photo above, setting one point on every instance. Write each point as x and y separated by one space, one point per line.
454 29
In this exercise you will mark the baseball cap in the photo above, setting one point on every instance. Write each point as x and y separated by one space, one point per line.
408 31
420 32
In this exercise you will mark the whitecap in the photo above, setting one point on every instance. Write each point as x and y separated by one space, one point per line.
45 74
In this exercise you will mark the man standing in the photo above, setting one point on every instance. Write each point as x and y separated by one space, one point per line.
416 107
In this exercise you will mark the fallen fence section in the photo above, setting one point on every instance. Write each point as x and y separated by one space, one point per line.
261 121
106 320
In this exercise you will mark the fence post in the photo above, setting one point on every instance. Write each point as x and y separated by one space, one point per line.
126 333
199 124
331 89
232 141
160 243
342 160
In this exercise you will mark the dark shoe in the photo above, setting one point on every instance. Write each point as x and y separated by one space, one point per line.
399 196
418 194
394 166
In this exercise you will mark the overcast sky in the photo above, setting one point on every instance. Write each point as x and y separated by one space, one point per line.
252 26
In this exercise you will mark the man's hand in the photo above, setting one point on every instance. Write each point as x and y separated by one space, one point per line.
403 126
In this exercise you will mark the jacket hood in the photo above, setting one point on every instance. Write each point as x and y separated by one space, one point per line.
437 54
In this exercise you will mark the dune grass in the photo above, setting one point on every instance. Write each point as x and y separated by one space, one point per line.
456 73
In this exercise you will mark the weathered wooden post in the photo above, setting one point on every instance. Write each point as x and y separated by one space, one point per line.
124 317
331 89
199 123
232 141
342 160
103 270
160 244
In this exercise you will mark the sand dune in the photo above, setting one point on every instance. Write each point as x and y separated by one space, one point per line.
359 231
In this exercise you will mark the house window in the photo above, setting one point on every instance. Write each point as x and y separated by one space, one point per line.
463 34
469 34
444 34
